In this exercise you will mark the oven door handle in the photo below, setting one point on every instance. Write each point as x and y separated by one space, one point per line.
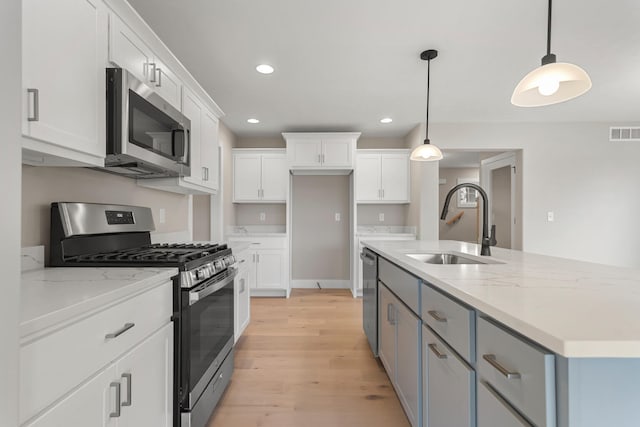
195 296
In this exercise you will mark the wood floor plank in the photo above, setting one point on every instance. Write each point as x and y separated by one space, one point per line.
305 362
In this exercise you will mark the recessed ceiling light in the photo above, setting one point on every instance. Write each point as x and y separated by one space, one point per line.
386 120
264 69
253 121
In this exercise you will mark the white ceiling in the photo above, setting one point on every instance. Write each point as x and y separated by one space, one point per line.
343 65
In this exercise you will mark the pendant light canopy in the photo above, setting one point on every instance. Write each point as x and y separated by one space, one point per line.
552 82
427 152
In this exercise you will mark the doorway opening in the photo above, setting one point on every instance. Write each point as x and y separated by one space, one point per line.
499 174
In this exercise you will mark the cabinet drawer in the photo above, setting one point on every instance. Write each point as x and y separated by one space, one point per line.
55 364
449 385
401 283
522 372
454 322
262 242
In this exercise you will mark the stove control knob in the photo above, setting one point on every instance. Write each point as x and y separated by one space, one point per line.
201 274
219 265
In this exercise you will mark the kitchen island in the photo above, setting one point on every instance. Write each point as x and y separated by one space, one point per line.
571 328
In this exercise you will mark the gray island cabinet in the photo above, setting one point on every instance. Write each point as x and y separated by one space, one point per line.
486 345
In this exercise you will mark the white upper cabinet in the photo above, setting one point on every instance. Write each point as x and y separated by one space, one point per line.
204 157
383 176
63 82
259 176
128 51
321 151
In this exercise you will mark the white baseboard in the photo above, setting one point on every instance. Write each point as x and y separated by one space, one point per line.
324 284
278 293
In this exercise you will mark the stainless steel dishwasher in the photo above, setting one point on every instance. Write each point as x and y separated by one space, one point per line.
370 297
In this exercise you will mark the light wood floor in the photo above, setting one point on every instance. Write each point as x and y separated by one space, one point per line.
305 362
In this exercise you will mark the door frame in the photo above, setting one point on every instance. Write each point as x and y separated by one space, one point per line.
487 166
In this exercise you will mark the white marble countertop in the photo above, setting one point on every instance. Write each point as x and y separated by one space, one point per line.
256 231
52 296
385 231
575 309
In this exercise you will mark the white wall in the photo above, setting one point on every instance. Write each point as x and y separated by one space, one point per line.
10 101
572 169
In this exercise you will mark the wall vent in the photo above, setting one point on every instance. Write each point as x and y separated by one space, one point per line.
624 134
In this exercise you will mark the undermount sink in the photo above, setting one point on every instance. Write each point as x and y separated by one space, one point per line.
444 258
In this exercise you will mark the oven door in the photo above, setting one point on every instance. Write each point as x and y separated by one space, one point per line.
207 317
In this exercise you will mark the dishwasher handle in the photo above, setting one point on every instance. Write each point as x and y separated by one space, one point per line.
367 259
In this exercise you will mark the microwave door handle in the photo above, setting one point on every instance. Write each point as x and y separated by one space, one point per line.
181 151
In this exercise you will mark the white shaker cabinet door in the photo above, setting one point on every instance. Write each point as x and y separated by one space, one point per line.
337 153
128 51
274 177
193 110
63 76
246 177
93 404
306 152
243 301
209 150
165 83
395 178
368 173
146 378
270 268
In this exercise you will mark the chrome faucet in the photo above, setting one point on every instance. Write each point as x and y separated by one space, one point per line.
487 241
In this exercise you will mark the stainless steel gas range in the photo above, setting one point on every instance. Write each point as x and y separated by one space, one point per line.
98 235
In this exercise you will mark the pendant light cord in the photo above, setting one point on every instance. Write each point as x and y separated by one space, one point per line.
549 30
426 141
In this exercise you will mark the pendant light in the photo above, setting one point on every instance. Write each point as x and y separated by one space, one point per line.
427 152
552 82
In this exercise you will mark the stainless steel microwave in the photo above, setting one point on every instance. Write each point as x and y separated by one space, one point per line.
146 136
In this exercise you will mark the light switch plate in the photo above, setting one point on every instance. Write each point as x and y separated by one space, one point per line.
162 215
263 216
550 216
337 216
381 217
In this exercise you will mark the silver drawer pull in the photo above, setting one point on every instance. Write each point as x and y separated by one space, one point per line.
120 331
438 353
491 360
437 316
116 413
36 105
127 377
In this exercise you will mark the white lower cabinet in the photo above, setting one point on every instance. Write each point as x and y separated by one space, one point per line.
399 350
242 300
89 405
266 260
145 376
113 367
448 385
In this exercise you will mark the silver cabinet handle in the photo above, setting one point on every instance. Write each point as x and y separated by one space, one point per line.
120 331
36 105
438 353
116 413
242 261
159 84
319 158
127 377
383 193
437 316
390 316
322 158
152 79
491 360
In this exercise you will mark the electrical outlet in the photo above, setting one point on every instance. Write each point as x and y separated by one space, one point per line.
337 216
550 216
263 217
162 216
381 217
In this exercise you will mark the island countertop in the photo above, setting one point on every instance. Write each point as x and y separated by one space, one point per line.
574 308
52 296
